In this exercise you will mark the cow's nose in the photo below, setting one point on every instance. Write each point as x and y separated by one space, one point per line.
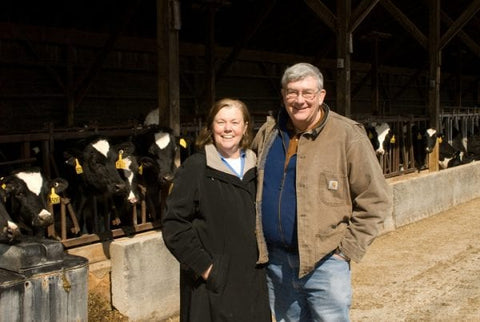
131 198
12 227
44 218
44 215
13 230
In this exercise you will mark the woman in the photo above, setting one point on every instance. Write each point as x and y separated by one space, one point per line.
209 225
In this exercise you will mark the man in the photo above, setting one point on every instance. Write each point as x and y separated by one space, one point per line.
321 200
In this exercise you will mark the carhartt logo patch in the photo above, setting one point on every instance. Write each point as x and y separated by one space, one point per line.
332 185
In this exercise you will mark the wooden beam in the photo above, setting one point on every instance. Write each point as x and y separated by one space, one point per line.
168 24
434 69
324 13
467 40
467 14
361 12
343 58
162 61
174 67
76 38
405 22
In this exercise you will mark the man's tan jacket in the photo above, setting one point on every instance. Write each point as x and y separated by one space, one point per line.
342 195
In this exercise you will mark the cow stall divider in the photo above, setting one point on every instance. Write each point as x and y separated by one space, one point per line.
21 147
465 120
399 153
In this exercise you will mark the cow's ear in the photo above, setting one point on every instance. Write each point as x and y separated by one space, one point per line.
9 185
59 184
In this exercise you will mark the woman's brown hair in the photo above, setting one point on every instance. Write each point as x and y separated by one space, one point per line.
206 134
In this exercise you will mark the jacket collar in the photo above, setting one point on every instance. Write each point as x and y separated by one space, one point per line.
214 160
282 121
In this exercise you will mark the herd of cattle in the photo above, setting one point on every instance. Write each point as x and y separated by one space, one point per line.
460 149
101 180
104 181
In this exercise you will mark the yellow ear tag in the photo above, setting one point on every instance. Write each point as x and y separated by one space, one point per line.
53 198
183 143
78 167
4 186
140 169
419 136
370 135
439 140
392 140
120 164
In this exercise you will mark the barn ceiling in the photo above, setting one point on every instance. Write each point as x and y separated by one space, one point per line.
282 26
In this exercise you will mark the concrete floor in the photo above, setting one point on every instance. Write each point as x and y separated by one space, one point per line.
425 271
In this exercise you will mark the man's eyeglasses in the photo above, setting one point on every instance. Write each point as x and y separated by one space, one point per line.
291 94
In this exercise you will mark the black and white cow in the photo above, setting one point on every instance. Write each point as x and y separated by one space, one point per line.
459 140
129 170
423 140
27 194
156 148
380 135
94 180
152 118
448 155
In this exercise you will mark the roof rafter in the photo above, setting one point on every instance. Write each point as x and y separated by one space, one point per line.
405 22
467 14
325 14
361 12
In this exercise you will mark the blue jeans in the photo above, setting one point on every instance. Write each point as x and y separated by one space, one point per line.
325 294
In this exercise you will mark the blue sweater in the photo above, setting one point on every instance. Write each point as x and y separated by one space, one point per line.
279 205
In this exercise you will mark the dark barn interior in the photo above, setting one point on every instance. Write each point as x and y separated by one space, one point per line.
78 63
70 69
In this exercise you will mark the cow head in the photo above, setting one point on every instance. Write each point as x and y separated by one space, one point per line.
381 136
94 164
431 139
128 169
372 135
27 193
163 151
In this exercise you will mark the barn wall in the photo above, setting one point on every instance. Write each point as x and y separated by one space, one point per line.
46 66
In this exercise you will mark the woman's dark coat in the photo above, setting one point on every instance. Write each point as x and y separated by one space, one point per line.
210 218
